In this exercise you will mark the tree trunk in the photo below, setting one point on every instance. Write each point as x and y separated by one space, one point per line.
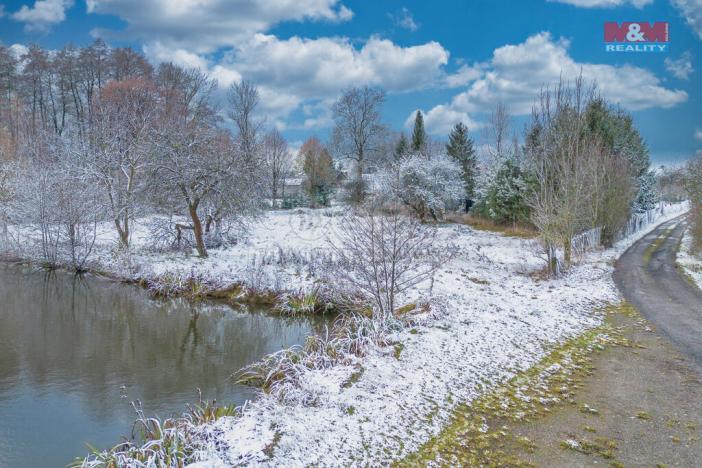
5 233
123 232
552 260
358 196
197 231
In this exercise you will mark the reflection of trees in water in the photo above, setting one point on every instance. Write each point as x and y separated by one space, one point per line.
88 336
191 338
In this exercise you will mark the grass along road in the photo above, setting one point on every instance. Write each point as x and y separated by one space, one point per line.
618 395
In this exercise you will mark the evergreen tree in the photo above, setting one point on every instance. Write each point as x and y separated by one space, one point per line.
647 196
460 149
506 198
419 135
402 148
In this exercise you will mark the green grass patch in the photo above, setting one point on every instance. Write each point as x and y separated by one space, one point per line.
478 433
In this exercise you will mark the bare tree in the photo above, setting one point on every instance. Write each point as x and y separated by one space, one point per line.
186 169
243 99
278 162
358 132
671 183
559 159
7 195
613 190
9 78
54 199
497 133
238 195
197 165
579 181
379 257
119 144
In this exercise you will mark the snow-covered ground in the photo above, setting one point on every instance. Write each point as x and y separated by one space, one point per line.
690 263
498 318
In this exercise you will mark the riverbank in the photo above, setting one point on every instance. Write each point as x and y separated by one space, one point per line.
277 261
75 351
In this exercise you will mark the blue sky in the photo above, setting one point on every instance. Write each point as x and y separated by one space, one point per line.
455 60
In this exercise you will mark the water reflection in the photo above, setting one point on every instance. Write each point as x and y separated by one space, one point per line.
74 351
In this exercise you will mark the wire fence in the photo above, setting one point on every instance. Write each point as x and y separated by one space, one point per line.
639 221
592 238
586 241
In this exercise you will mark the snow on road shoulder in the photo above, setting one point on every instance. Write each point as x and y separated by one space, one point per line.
691 263
499 320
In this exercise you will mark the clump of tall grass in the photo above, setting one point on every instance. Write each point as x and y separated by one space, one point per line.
171 443
282 374
313 302
191 285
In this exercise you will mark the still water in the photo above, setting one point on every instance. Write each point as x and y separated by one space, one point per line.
75 351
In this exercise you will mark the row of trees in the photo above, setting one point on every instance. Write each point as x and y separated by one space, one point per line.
97 134
93 134
582 164
693 185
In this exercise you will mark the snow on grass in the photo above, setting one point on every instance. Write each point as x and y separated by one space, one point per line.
280 252
499 320
690 262
492 330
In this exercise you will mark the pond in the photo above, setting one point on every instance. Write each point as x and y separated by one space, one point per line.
75 351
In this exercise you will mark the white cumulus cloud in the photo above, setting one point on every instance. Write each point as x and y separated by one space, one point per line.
42 15
206 25
680 67
691 10
516 74
441 119
298 71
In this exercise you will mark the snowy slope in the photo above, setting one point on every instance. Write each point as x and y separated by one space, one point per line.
498 321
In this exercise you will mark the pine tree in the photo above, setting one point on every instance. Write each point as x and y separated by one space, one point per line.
419 135
647 196
460 149
402 147
506 200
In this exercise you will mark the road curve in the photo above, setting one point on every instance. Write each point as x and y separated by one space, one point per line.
648 278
